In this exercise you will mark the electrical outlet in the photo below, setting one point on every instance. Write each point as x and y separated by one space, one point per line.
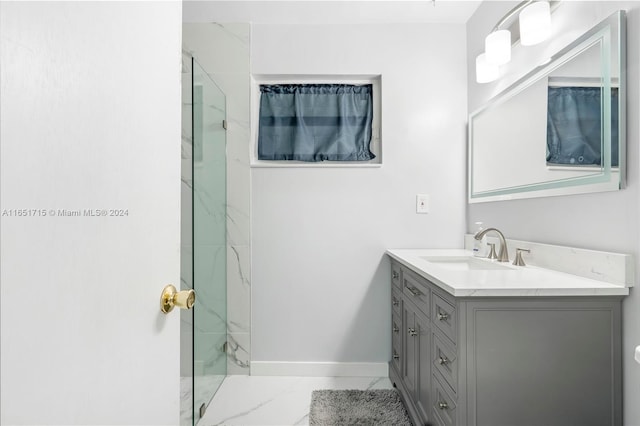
422 203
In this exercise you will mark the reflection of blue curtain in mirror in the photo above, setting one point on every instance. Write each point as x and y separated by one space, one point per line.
574 126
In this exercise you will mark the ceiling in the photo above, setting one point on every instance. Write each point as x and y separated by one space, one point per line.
329 11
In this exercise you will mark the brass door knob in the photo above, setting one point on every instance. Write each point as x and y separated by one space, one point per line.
170 298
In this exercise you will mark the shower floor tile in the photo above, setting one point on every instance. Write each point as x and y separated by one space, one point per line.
275 401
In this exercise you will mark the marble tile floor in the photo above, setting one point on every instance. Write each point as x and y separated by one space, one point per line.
205 387
275 401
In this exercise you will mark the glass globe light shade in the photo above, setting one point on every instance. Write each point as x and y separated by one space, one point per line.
485 72
535 23
497 47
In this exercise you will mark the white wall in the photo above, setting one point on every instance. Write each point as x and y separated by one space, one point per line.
90 112
601 221
320 290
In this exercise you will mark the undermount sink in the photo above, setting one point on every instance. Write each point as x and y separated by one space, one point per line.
464 263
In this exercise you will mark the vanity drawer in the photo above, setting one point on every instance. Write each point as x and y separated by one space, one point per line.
445 361
416 292
443 408
445 317
396 302
396 274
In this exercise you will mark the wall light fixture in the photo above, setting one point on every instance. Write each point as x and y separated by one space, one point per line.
485 71
534 26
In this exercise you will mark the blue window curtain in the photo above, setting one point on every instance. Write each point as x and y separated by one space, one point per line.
574 130
315 122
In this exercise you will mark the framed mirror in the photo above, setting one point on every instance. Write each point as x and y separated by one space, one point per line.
560 129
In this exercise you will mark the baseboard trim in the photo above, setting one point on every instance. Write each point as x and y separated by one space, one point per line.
320 369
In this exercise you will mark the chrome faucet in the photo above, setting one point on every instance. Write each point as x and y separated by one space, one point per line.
503 254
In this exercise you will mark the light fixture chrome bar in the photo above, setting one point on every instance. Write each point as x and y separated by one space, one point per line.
508 18
511 17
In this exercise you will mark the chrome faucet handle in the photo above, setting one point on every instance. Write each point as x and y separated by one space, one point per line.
519 261
492 251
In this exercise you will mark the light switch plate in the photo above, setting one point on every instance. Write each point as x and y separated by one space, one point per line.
422 203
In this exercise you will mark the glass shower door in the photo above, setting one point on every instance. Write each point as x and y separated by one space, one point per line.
209 238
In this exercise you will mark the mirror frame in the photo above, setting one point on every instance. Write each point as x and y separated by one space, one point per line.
603 181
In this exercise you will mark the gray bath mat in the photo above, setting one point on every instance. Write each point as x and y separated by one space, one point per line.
357 407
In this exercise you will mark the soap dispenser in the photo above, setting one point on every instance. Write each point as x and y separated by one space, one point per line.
480 246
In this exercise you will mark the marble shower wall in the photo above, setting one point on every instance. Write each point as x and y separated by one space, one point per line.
223 51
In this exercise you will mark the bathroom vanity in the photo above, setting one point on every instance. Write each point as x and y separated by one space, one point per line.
477 342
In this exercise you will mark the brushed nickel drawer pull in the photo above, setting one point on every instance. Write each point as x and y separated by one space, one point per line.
395 329
396 356
395 302
414 291
443 316
413 332
443 405
442 360
395 275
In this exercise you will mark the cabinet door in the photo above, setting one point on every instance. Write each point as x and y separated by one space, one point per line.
417 361
423 389
396 341
410 348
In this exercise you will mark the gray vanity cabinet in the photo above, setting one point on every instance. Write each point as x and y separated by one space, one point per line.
505 361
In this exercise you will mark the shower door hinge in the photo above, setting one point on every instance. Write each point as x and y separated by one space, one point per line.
224 124
225 345
203 409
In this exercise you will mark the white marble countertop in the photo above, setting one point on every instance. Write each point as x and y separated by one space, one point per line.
508 281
